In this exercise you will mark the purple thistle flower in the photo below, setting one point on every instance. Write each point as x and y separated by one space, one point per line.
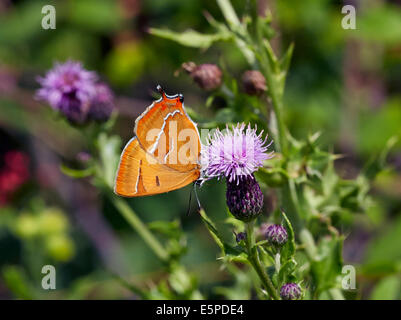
70 89
276 234
234 154
290 291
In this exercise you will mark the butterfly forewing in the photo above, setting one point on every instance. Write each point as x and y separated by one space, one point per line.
166 132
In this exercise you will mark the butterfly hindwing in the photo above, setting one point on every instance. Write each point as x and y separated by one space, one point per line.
140 175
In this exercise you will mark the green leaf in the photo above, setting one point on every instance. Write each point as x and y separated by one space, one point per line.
76 173
286 59
109 154
273 177
191 38
273 61
288 250
212 229
378 162
328 264
286 272
387 289
168 229
181 281
16 280
227 249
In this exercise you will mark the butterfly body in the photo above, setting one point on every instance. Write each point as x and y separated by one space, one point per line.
164 154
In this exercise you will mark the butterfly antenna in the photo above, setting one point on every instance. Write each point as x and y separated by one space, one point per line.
189 203
196 194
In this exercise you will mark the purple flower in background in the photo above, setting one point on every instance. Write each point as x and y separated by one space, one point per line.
74 92
102 105
235 154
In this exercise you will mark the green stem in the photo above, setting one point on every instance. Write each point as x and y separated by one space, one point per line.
276 99
271 77
253 257
140 227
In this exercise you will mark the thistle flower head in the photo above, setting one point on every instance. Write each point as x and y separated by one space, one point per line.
290 291
73 91
234 154
68 88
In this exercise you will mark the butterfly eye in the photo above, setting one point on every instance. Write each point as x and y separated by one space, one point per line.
181 97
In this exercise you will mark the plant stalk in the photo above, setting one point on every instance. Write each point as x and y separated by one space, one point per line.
253 258
136 223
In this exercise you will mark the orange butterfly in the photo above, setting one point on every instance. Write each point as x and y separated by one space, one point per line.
164 154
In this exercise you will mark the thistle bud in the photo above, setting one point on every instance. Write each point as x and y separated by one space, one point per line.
207 76
276 234
290 291
240 237
244 198
253 82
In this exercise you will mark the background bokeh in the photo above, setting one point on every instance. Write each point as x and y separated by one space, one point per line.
344 83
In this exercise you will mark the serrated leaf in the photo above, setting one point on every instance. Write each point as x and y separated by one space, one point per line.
273 61
288 250
377 163
226 248
212 229
191 38
273 177
286 272
328 264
